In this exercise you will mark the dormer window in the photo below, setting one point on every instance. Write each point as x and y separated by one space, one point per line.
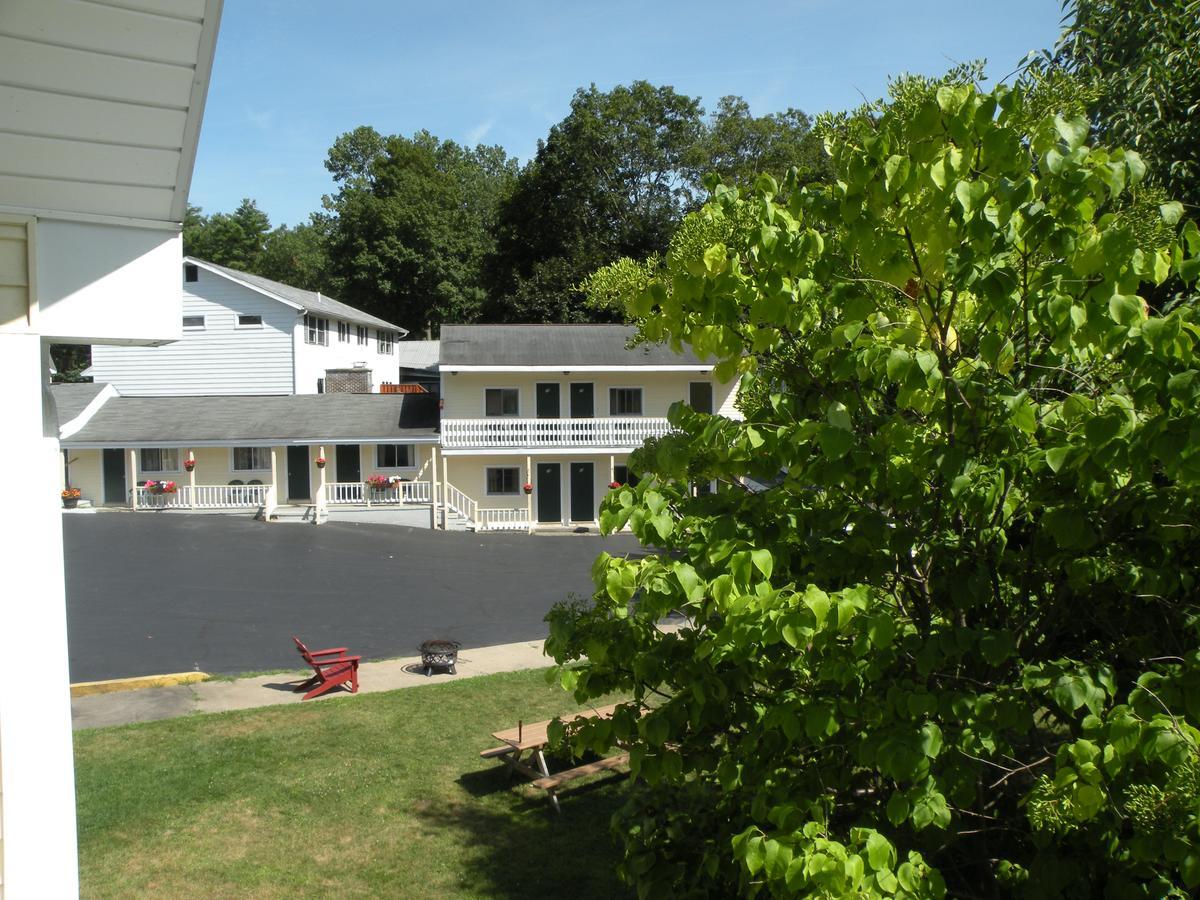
316 330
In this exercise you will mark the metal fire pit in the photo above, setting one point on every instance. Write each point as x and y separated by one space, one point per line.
439 655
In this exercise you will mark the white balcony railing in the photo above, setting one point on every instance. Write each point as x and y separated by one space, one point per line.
536 433
356 492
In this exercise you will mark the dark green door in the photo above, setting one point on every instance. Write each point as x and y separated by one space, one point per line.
114 476
348 463
547 401
583 492
549 489
297 462
582 401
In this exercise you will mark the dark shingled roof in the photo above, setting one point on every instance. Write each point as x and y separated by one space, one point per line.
309 301
129 421
72 399
553 345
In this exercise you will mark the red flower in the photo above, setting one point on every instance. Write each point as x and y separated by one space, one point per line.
613 485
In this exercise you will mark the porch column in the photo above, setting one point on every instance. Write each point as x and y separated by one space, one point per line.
529 496
133 479
433 487
320 487
191 457
273 490
445 480
37 781
612 469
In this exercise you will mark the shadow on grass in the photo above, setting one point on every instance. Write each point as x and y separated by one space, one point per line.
527 849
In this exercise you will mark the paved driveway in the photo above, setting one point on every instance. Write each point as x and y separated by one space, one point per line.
150 593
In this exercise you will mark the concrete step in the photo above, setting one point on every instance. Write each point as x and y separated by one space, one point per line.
294 513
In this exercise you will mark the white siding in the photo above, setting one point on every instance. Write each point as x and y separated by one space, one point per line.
14 274
221 359
313 359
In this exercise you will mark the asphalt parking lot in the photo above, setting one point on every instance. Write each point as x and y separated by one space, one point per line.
152 593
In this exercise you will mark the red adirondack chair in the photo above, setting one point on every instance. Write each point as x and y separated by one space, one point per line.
330 668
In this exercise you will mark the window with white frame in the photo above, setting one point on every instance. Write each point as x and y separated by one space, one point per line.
159 459
385 341
193 322
364 335
246 321
501 401
394 456
344 332
503 481
316 330
251 459
624 401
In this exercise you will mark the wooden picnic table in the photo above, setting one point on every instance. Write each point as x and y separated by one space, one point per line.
532 739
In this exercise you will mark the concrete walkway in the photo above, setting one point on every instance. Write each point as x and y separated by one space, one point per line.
151 704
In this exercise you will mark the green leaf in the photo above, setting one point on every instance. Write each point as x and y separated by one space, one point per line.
1125 310
898 808
1171 212
838 416
763 561
716 259
931 740
1189 869
835 442
895 172
880 853
1073 131
899 364
1056 456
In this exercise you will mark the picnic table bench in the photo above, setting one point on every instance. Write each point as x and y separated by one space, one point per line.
532 739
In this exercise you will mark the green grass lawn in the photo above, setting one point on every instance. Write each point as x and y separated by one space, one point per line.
380 795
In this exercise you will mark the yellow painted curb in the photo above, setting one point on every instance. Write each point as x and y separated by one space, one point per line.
87 688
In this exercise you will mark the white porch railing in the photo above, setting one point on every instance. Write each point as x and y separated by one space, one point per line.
206 496
344 492
358 493
460 502
534 433
503 520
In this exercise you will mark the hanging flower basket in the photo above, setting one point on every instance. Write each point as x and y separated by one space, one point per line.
189 465
613 485
320 462
527 487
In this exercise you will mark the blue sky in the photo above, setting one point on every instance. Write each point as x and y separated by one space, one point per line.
291 75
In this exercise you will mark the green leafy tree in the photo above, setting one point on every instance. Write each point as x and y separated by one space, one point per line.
228 239
609 181
738 147
1141 61
412 223
298 256
956 647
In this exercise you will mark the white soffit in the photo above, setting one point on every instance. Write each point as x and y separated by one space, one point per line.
100 104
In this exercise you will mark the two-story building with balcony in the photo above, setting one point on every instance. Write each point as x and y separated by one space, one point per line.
538 420
247 335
